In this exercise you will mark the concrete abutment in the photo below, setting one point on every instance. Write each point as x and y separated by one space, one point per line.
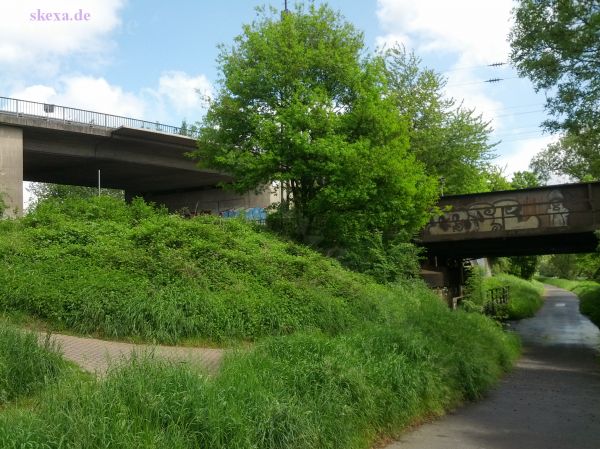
11 170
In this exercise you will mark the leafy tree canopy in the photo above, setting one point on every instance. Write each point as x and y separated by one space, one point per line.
525 180
572 156
43 191
555 44
452 141
301 107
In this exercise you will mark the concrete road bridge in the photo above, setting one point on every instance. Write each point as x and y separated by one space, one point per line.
57 144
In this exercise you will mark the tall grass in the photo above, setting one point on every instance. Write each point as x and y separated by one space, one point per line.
588 293
25 366
99 266
307 390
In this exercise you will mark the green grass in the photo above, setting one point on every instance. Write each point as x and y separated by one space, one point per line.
339 361
587 291
26 367
100 267
525 296
308 390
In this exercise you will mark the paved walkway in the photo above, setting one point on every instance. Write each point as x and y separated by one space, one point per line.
550 401
95 355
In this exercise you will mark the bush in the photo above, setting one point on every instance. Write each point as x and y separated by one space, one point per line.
302 391
474 286
99 266
25 366
385 262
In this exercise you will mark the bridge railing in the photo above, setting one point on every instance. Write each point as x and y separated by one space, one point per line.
66 114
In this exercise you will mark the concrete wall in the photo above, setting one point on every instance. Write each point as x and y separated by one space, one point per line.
11 169
214 200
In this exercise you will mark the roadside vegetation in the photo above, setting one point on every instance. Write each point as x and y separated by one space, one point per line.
307 390
338 360
26 365
99 266
587 291
525 296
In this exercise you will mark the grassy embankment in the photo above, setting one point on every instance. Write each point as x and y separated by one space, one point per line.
338 361
587 291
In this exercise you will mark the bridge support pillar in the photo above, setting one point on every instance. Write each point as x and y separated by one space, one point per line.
11 170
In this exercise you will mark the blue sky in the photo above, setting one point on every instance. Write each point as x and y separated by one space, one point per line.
145 59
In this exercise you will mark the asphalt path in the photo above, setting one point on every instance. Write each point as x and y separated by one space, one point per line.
550 401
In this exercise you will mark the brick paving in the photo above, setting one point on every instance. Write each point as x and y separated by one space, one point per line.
96 355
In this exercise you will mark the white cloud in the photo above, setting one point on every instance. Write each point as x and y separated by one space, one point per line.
393 39
475 29
27 44
187 94
470 32
525 150
85 92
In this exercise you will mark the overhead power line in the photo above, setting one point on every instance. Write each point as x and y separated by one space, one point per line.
521 113
494 64
488 81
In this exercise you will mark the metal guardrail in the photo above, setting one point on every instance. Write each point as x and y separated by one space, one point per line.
495 299
81 116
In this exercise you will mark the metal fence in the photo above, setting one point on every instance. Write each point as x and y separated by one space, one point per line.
65 114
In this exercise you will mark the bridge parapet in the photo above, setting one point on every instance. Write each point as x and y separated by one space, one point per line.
68 115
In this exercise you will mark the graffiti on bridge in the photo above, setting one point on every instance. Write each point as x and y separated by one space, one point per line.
505 214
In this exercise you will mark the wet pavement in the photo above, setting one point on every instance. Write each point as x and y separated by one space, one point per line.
550 401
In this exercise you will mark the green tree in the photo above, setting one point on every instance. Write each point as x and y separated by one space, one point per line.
555 44
42 191
524 266
300 107
525 180
571 155
452 141
495 179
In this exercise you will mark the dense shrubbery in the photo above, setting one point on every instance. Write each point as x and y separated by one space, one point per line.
588 293
364 361
301 391
101 266
25 366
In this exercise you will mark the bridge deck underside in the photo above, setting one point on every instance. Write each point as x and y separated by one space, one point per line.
127 160
129 176
564 243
